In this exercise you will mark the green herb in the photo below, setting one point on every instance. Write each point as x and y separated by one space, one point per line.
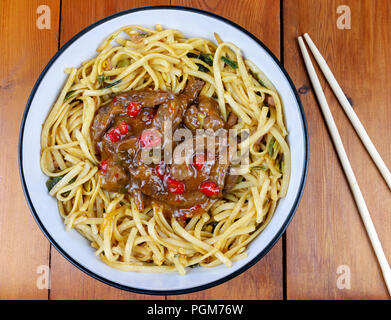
261 82
123 63
102 79
112 84
202 68
68 95
72 180
205 57
176 255
271 147
214 225
52 182
196 265
256 77
232 64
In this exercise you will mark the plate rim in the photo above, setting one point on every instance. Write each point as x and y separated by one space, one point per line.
211 284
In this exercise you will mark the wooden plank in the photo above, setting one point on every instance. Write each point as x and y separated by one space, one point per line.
327 231
23 246
67 281
265 279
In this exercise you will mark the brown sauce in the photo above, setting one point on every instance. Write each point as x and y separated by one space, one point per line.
133 122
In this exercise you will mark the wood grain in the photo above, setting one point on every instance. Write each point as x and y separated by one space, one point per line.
68 282
23 246
327 231
265 279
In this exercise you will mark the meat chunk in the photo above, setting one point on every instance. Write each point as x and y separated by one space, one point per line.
204 116
232 120
114 178
172 111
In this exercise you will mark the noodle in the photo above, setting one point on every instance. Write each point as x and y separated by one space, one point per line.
130 240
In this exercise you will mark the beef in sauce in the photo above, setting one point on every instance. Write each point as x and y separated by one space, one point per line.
133 123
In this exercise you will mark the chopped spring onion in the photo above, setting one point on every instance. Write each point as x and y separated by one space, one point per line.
102 79
232 64
68 95
112 84
205 57
271 146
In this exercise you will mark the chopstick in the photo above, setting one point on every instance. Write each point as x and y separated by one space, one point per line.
358 197
349 111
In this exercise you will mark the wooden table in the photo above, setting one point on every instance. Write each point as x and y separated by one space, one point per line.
326 235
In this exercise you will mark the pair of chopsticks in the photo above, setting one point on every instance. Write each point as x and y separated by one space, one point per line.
362 207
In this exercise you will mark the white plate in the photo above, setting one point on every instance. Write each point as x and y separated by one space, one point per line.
193 23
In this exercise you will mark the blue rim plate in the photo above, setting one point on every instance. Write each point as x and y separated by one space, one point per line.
40 215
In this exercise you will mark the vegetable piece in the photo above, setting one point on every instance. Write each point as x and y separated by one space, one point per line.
256 77
271 146
205 57
52 182
209 188
68 95
102 79
175 186
232 64
196 265
150 138
103 166
112 84
202 68
160 169
133 109
198 161
123 63
114 135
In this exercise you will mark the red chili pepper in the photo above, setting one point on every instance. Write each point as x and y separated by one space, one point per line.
123 127
150 138
103 166
114 135
115 99
209 188
198 161
133 109
160 169
175 186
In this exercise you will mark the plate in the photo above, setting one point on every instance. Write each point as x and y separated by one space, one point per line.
192 23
